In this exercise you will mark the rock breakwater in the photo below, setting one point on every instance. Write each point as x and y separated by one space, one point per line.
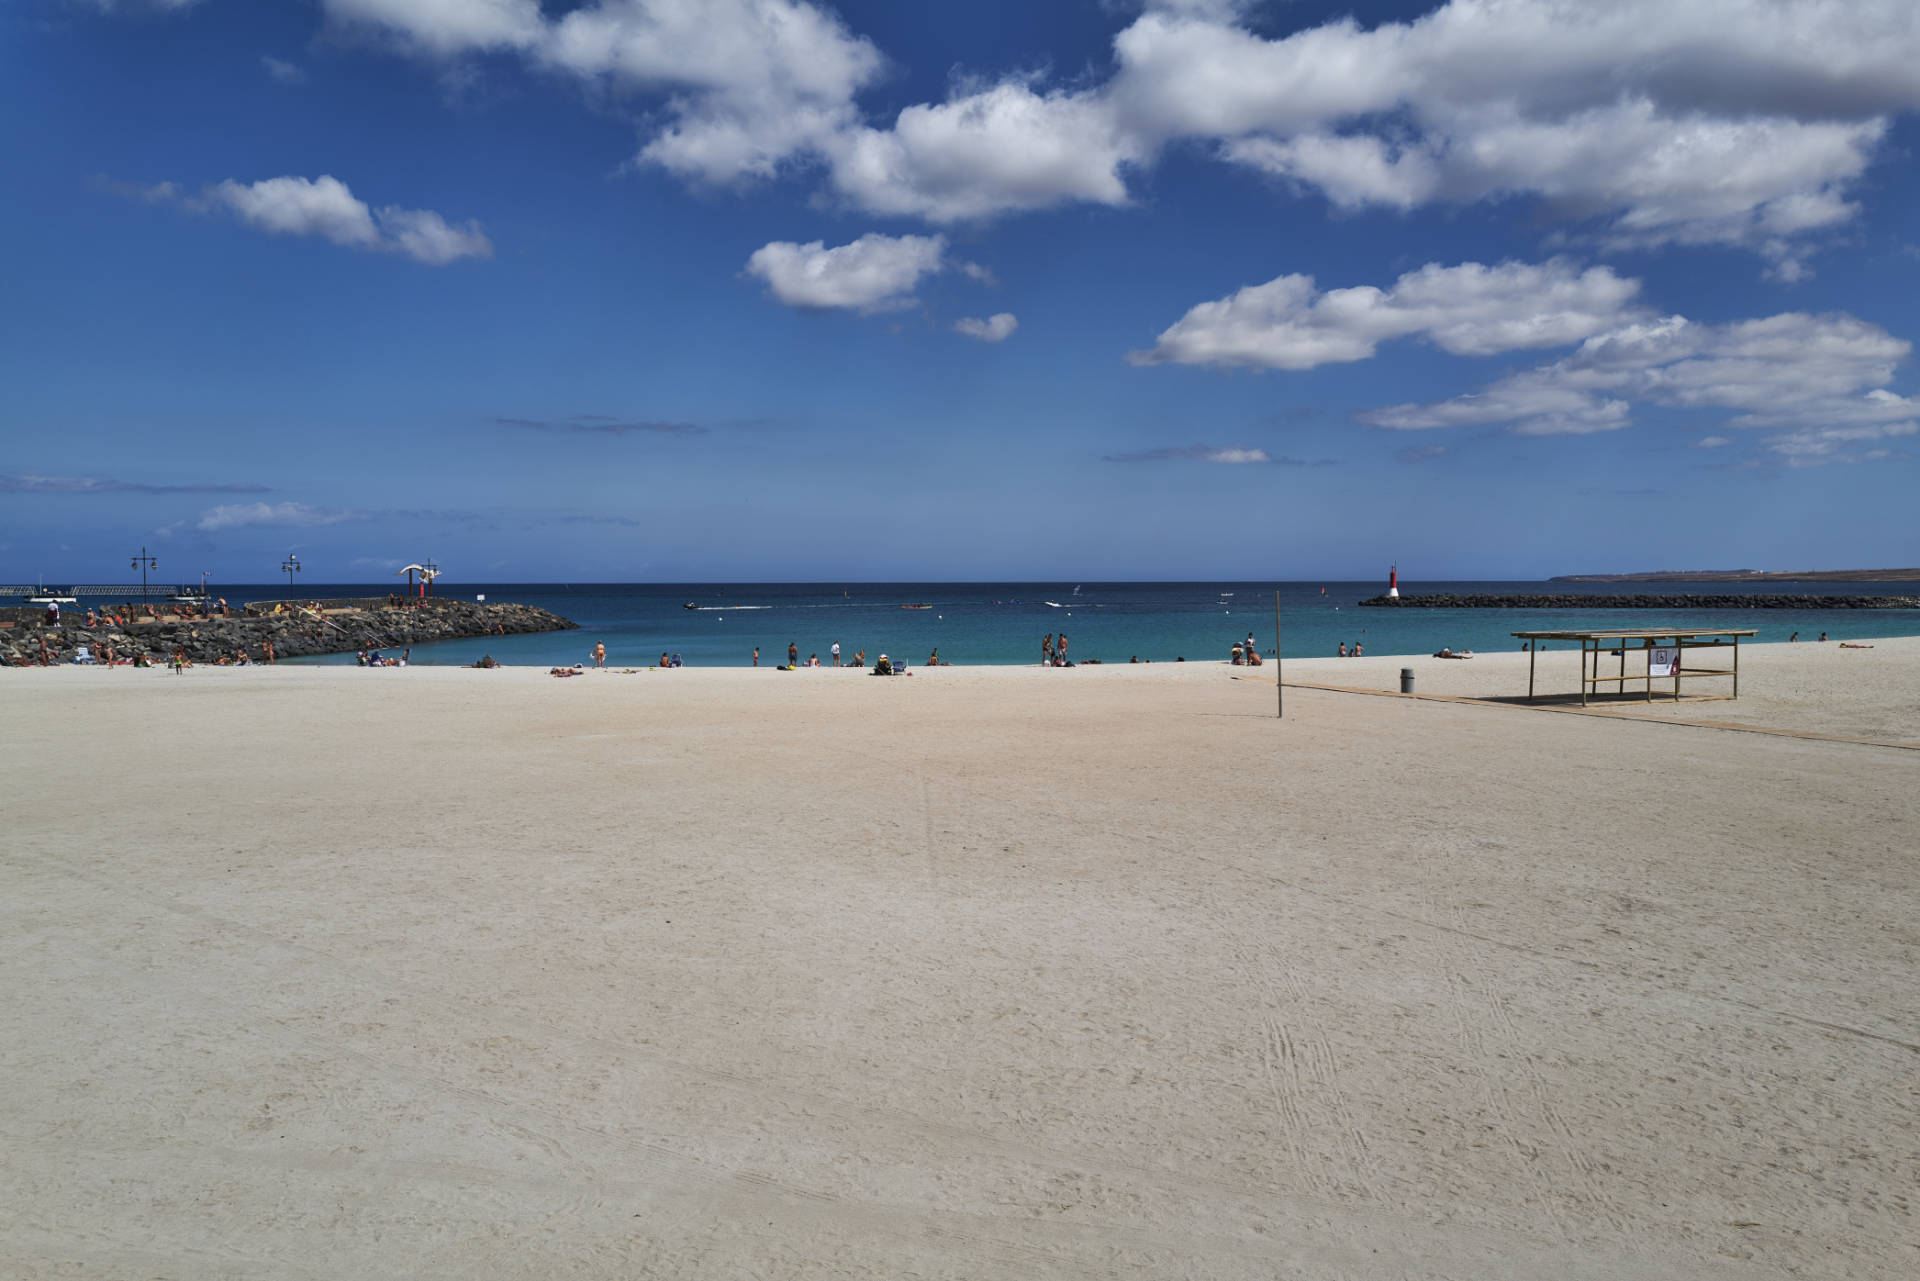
1583 600
295 632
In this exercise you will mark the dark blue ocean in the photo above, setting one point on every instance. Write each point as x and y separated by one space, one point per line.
1003 622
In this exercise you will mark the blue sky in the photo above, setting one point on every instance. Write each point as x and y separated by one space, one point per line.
763 289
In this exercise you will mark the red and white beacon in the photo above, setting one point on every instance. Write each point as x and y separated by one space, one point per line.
1393 583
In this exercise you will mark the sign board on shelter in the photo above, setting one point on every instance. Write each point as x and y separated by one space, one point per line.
1663 660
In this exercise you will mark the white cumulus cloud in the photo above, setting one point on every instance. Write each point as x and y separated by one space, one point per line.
447 27
165 6
988 152
321 206
1718 121
1531 404
1732 121
1637 122
874 273
1816 446
1469 310
1794 373
425 236
994 328
238 515
1231 455
327 208
747 83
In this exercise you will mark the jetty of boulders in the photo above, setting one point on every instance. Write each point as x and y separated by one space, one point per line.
295 628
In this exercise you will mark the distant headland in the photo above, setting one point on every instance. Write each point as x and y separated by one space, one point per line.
1596 600
1749 576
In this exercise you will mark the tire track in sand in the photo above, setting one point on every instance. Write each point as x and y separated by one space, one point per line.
1301 1067
1588 1182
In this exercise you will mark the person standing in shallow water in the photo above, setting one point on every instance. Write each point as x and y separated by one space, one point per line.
793 654
756 656
1060 650
1046 651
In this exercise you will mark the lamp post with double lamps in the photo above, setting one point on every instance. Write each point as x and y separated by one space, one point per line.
292 566
143 563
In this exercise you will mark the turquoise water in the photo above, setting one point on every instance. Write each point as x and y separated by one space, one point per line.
1000 623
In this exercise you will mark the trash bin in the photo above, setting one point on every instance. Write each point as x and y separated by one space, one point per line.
1406 680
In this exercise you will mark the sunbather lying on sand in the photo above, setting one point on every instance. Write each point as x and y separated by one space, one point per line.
1448 653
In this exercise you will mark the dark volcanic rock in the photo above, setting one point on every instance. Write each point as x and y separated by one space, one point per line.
1758 600
294 634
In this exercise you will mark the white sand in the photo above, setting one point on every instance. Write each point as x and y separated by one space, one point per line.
323 972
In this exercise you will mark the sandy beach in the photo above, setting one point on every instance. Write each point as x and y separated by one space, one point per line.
323 972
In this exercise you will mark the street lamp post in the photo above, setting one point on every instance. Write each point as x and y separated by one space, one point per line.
143 563
292 566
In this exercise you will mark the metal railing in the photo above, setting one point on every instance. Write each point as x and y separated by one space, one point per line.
110 589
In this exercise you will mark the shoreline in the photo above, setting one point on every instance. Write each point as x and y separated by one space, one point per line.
1812 686
988 625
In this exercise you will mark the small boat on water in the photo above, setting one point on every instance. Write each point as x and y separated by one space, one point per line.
689 605
1053 604
916 607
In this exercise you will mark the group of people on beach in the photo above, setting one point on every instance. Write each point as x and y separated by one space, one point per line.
793 663
1344 652
1053 652
883 665
127 613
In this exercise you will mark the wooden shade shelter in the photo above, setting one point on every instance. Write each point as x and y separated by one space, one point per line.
1620 640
